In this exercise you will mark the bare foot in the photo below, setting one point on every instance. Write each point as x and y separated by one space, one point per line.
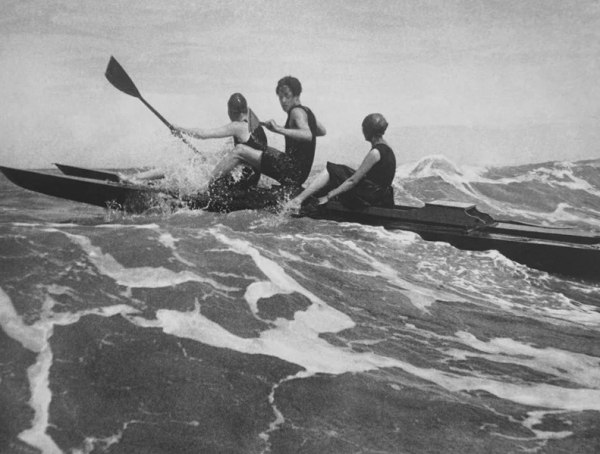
293 205
128 179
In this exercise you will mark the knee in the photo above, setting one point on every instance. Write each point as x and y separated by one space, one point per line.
238 153
240 149
323 177
246 155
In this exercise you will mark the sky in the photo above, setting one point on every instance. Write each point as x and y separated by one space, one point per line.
480 82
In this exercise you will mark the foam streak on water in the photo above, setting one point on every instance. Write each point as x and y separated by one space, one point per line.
35 338
149 277
297 341
583 370
484 349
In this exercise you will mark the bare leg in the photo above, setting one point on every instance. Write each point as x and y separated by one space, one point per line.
317 184
241 154
153 174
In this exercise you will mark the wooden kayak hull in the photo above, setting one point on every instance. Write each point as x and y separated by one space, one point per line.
557 250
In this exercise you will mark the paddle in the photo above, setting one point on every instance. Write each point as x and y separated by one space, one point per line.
117 76
253 126
253 121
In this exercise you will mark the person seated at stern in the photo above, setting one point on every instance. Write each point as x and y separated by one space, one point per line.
292 167
369 185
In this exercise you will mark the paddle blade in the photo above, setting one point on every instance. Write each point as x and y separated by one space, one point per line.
117 76
255 128
253 121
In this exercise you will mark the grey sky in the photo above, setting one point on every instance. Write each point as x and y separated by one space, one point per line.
482 82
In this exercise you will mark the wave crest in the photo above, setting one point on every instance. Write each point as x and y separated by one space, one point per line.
437 165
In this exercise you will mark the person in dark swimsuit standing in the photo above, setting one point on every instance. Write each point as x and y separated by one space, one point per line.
292 167
369 185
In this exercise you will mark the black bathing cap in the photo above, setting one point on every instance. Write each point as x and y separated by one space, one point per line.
237 103
374 125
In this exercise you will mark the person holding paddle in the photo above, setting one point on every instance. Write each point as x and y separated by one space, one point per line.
245 129
369 185
292 167
300 131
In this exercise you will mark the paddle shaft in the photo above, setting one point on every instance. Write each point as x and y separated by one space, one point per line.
160 117
119 78
169 125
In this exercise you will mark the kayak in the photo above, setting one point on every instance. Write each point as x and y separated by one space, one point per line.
88 173
557 250
103 189
106 194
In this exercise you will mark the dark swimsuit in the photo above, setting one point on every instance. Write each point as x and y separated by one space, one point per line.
375 189
292 167
249 176
257 140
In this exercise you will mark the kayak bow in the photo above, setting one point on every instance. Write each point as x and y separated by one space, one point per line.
91 191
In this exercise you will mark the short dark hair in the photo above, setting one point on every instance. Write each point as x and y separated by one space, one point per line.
292 83
374 125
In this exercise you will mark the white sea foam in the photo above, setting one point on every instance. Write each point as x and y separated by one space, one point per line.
150 226
555 174
560 174
138 277
30 337
297 341
565 213
170 241
530 296
584 370
35 338
421 297
535 418
576 368
440 166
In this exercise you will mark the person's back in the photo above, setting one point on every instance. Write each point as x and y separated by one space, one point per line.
383 172
249 132
369 185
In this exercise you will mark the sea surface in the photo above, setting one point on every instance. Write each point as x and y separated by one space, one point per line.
255 332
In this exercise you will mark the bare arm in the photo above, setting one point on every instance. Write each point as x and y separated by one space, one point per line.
321 131
235 128
370 160
300 129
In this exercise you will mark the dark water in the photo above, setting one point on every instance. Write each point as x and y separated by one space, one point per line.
252 332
